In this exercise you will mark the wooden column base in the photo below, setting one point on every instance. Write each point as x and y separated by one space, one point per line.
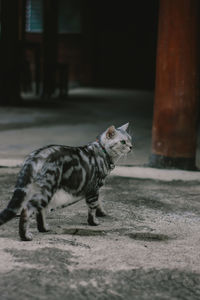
164 162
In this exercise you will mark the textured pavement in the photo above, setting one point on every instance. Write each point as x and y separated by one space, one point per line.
148 247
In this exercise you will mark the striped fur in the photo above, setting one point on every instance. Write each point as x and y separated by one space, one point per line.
57 176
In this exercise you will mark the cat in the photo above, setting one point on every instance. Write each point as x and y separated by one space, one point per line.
57 175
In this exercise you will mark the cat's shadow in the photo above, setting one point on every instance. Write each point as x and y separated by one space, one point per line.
149 236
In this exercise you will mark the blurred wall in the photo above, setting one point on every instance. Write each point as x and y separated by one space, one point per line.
115 48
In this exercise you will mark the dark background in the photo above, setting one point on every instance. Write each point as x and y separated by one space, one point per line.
125 43
103 43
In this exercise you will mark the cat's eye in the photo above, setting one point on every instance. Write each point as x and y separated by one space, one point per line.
123 142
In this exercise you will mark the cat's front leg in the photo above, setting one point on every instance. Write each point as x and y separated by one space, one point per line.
92 203
41 222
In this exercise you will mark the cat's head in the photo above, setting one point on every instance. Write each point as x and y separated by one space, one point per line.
116 141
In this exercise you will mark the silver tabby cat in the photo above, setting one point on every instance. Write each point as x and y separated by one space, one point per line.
57 176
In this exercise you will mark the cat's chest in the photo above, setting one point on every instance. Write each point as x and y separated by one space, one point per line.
62 199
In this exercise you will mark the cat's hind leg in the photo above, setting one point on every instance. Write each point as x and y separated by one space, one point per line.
36 205
25 216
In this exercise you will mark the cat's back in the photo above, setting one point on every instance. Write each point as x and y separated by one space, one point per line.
49 153
68 166
39 161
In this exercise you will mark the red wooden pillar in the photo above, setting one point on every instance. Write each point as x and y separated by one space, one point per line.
174 131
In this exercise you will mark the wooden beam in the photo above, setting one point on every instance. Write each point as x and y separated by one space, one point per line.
88 24
50 46
10 53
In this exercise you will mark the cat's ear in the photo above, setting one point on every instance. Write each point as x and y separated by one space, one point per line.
110 132
124 127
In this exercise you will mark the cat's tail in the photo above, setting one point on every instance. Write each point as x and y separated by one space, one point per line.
13 206
19 194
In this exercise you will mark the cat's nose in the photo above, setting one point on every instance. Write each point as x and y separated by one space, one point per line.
130 147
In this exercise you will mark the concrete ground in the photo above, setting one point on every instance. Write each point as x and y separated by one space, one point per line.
148 247
76 121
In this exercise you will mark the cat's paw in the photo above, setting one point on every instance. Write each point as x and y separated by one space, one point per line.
27 237
101 213
44 228
93 221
